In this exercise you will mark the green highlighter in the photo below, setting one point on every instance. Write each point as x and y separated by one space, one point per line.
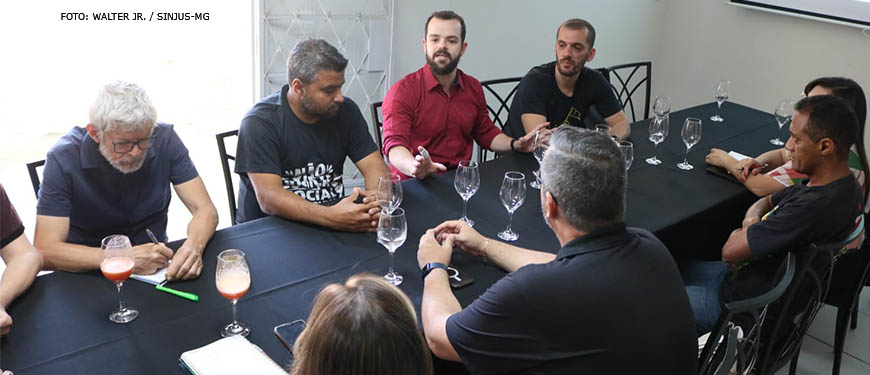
185 295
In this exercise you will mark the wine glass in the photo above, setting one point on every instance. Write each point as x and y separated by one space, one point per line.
389 192
540 148
392 231
233 279
513 193
783 113
658 131
627 149
466 182
721 96
662 106
603 129
691 135
117 265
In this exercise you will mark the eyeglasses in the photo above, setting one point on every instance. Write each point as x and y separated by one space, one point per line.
127 146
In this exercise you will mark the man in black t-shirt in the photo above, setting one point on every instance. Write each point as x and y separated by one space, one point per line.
822 210
565 91
609 302
293 144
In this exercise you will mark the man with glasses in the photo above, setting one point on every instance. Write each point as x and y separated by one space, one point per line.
113 177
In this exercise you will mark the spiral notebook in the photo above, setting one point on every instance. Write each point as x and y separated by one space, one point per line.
232 355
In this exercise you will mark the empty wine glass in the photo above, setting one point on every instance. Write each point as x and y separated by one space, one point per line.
233 279
392 231
658 131
783 113
513 193
662 106
691 135
389 192
117 265
466 182
721 96
627 149
603 129
540 148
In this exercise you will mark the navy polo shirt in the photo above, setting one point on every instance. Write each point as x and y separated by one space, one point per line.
79 183
612 302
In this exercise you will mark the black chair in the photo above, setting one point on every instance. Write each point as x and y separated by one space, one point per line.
751 314
378 124
34 175
502 90
789 317
625 81
225 165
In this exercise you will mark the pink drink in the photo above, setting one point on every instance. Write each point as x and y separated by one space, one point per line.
117 269
233 285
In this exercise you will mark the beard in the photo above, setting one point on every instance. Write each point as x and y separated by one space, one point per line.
312 109
575 67
124 165
447 68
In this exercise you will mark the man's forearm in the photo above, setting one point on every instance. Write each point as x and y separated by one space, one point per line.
201 228
501 143
291 206
511 258
621 129
401 158
437 306
69 257
759 208
19 274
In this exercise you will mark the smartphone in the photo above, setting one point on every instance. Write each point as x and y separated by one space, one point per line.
457 278
289 332
425 153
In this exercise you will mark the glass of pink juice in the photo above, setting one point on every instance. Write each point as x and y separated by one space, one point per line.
117 265
233 279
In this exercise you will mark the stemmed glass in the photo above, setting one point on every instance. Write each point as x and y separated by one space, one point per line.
783 113
691 135
117 265
392 231
233 279
540 148
466 182
513 193
721 96
662 106
658 131
627 149
603 129
389 192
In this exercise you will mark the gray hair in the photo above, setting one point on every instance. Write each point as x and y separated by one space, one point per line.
310 56
124 106
585 172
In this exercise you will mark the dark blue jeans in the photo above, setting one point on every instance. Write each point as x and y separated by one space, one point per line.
702 281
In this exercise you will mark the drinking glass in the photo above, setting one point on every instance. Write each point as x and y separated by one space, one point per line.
233 279
658 131
691 135
117 265
466 182
783 113
513 193
392 231
627 149
721 96
662 106
603 129
389 192
540 148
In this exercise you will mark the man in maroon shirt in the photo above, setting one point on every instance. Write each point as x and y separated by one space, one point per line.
22 260
440 108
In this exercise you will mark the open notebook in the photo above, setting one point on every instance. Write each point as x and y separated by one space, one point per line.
232 355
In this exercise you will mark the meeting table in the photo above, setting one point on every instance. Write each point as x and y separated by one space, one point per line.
61 323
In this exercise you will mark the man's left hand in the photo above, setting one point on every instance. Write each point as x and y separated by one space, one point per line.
431 251
527 142
186 264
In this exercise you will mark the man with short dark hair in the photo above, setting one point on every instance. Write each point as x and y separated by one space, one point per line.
610 301
821 210
293 144
565 91
440 108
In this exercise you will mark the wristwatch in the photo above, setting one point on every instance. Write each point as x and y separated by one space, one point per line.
431 266
513 140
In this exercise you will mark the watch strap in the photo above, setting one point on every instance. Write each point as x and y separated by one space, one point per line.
431 266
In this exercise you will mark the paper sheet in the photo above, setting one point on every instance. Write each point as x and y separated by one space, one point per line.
737 156
156 278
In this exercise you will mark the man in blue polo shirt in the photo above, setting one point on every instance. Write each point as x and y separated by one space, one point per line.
609 302
113 177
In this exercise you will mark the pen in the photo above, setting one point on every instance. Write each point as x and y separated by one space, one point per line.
765 165
185 295
151 236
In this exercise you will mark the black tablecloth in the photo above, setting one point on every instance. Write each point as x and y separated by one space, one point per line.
61 324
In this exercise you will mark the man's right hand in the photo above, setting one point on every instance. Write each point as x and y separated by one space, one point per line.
150 257
5 322
424 166
463 236
352 217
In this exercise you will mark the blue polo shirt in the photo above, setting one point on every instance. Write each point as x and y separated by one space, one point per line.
79 183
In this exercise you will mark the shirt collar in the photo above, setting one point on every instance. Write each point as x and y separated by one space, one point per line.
601 239
431 82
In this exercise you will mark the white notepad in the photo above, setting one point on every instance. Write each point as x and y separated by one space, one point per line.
232 355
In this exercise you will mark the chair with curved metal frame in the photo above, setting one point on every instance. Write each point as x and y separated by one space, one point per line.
625 81
378 124
502 90
225 166
34 175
